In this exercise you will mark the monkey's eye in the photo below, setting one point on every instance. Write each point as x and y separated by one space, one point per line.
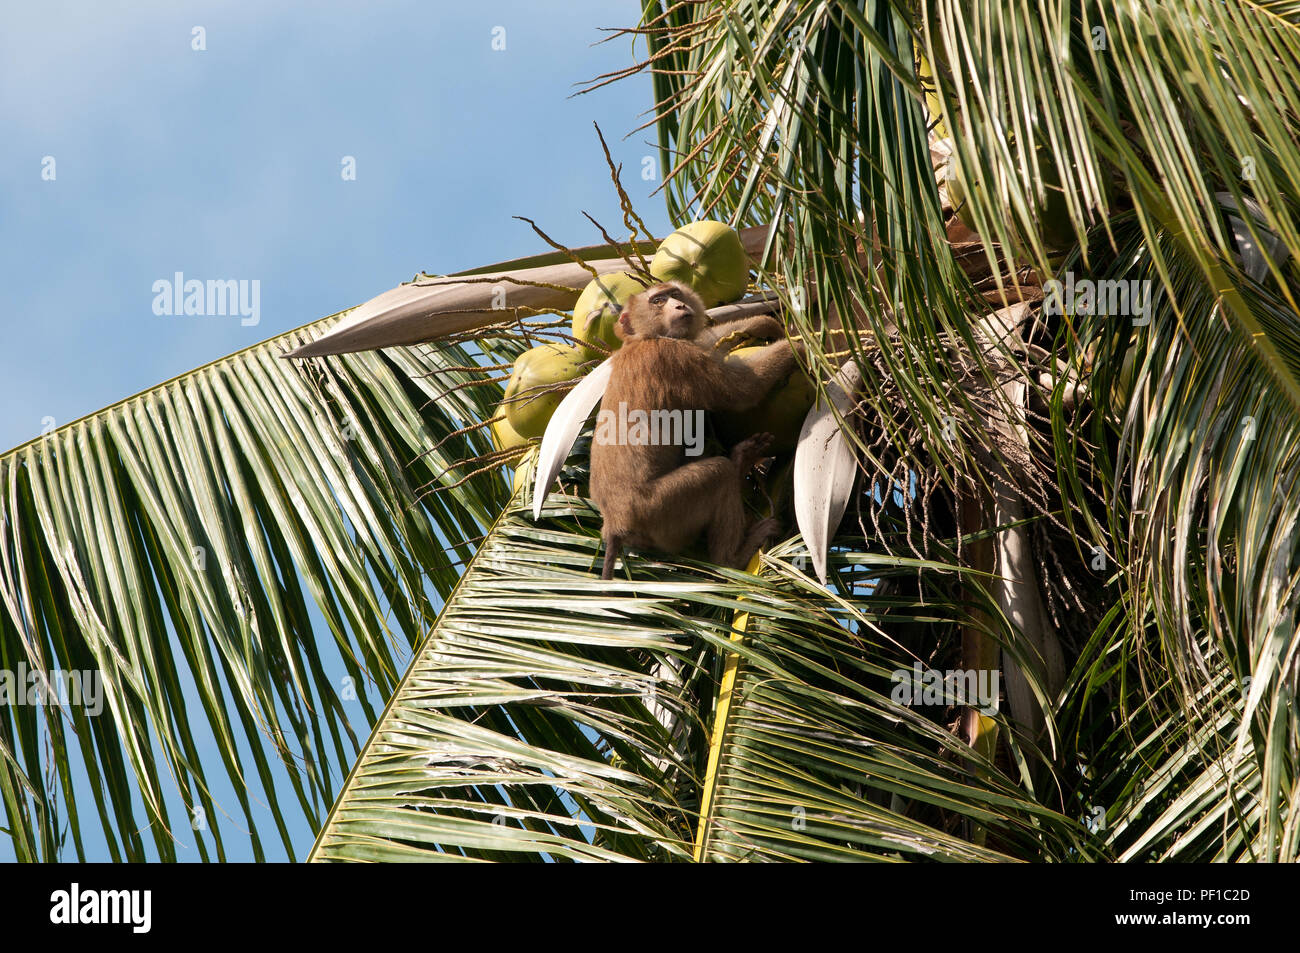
658 299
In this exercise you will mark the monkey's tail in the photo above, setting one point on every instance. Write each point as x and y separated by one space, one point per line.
613 544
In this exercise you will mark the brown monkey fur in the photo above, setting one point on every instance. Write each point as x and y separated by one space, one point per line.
650 495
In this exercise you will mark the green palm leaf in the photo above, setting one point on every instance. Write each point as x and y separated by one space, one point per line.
818 760
526 727
536 722
182 545
1178 486
1138 484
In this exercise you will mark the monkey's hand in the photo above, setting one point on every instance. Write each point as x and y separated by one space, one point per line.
733 332
758 326
749 451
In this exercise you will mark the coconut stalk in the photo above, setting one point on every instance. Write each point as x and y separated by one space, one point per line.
1016 590
979 650
1015 585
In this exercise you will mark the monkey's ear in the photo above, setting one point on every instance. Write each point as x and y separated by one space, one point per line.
623 328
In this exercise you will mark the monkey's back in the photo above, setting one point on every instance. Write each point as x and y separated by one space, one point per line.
657 374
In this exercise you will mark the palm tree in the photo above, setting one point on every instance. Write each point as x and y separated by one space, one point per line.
1097 500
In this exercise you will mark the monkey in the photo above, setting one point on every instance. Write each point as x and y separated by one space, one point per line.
648 494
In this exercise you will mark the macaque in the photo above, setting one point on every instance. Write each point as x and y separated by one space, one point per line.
649 494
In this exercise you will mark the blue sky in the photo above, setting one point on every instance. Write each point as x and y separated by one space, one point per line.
225 163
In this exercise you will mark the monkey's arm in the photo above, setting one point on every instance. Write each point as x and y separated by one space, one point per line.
741 382
757 326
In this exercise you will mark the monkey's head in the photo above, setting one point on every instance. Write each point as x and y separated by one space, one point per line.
669 310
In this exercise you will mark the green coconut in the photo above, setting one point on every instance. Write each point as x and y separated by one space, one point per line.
781 413
1053 214
548 364
505 437
598 309
707 256
522 477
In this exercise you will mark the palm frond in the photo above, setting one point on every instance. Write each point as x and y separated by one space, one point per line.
1153 127
1205 498
184 548
555 716
818 760
531 725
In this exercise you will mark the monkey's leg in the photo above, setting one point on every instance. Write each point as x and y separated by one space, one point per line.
689 500
749 451
613 544
706 496
735 546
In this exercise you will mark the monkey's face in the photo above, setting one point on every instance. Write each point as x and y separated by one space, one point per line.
670 310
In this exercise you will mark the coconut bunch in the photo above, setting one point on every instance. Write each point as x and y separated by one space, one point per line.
706 256
553 386
709 257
